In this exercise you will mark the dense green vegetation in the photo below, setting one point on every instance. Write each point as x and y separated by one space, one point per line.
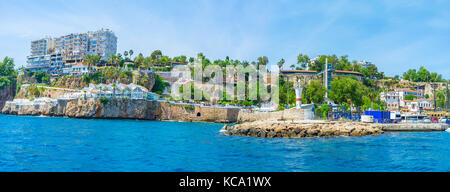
7 73
314 93
108 73
42 77
410 97
104 100
347 90
422 75
441 98
339 63
287 94
159 85
34 91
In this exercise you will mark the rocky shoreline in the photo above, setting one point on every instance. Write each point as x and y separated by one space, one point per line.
299 129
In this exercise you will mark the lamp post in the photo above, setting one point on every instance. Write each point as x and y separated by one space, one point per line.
434 94
446 104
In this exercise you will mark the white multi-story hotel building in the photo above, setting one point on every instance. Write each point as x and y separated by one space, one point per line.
53 54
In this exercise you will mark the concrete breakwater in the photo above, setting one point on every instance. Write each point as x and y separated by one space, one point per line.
120 109
305 128
415 127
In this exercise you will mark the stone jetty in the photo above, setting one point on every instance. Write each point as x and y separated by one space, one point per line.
303 128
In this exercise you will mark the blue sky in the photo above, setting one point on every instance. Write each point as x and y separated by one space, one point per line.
394 34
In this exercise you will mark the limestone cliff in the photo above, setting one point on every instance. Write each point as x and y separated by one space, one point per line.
71 82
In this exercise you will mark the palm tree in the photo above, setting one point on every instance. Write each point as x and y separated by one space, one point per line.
156 55
372 95
125 53
130 52
292 66
148 62
262 61
119 59
112 59
114 89
90 60
281 63
139 60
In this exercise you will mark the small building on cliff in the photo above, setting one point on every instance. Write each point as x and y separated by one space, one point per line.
113 90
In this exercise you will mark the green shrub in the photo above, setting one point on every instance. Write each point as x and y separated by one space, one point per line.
189 107
410 97
86 79
42 77
104 100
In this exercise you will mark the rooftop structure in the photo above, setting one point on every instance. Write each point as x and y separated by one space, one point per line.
365 64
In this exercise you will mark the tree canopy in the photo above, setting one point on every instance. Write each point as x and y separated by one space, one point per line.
347 90
314 92
422 75
7 72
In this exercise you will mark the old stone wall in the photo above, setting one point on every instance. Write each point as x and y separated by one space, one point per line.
183 112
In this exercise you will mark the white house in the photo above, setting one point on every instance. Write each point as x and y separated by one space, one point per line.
395 98
419 105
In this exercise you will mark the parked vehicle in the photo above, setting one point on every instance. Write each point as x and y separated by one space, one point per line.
396 116
380 116
414 118
435 119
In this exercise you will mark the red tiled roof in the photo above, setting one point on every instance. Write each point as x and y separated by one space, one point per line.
408 90
298 71
351 72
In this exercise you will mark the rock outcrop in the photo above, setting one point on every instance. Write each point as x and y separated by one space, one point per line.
297 129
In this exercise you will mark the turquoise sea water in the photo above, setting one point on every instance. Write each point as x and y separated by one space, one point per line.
63 144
